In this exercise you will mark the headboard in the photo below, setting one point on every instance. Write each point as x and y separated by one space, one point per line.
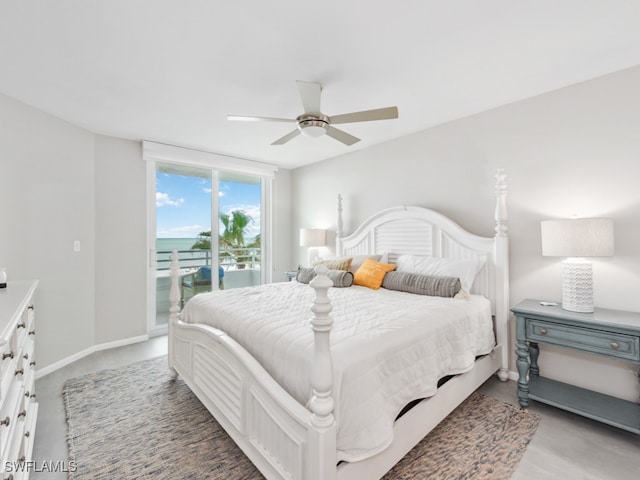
420 231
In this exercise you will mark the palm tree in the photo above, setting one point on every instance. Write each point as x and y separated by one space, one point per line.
235 226
232 237
203 242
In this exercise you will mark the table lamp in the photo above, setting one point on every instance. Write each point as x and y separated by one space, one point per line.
312 238
577 239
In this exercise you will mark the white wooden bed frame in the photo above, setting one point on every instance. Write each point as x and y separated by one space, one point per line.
284 439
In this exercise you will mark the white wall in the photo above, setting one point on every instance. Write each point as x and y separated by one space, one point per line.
121 251
572 151
47 202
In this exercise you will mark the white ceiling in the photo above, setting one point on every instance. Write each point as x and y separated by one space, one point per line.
171 71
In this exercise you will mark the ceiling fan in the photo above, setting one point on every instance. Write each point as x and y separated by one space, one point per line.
314 123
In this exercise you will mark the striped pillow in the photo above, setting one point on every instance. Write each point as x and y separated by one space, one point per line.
419 284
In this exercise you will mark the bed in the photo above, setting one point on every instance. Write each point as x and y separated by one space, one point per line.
296 430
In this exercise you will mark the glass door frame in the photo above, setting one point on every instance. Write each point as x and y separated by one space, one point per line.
154 153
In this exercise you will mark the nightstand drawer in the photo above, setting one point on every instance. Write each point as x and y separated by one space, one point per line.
594 341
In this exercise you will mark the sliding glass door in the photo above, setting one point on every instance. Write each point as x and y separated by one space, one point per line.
214 220
183 209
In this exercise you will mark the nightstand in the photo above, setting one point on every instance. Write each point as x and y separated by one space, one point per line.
606 332
291 275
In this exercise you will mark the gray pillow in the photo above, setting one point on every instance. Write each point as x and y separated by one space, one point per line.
419 284
340 278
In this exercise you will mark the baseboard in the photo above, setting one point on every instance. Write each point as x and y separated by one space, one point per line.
88 351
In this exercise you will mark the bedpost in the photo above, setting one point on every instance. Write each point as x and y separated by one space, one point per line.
339 228
321 403
502 273
174 298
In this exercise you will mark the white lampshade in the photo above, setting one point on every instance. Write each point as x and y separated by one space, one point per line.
313 237
575 239
580 237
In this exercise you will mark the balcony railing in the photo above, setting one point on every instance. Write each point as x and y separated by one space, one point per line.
228 259
241 269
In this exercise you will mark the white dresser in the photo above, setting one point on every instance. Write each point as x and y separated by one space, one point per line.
18 406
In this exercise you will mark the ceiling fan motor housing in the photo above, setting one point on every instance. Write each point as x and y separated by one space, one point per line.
313 125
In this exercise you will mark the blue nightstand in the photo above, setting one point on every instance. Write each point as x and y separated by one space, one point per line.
291 275
610 333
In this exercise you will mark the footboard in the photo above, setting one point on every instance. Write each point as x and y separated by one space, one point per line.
282 438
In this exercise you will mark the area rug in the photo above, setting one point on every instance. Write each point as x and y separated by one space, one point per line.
136 423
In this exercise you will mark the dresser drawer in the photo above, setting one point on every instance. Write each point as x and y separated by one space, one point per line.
611 344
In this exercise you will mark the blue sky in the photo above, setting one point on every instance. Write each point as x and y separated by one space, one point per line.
183 204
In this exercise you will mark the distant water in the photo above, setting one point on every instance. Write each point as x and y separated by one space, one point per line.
170 244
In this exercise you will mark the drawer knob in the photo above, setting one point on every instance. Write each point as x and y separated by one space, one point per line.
20 372
33 395
27 434
543 331
5 422
23 413
21 325
26 356
30 307
32 332
7 355
26 394
615 345
32 364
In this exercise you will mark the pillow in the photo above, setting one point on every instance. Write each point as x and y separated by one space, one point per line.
464 269
358 259
335 263
340 278
422 284
305 274
371 273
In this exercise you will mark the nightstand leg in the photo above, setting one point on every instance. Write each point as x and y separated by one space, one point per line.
522 363
534 352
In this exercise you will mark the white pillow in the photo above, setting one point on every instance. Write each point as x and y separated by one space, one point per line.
466 270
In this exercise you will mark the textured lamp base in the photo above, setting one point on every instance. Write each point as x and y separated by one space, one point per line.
577 285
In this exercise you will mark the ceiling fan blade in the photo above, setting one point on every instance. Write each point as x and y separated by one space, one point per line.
287 137
342 136
238 118
310 96
386 113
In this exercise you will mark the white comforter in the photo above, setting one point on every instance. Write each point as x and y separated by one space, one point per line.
388 347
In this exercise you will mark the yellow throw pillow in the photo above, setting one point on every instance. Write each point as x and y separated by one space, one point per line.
371 273
341 263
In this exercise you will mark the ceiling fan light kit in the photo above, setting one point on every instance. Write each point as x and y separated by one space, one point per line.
314 124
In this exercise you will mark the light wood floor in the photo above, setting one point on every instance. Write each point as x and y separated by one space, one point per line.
565 445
